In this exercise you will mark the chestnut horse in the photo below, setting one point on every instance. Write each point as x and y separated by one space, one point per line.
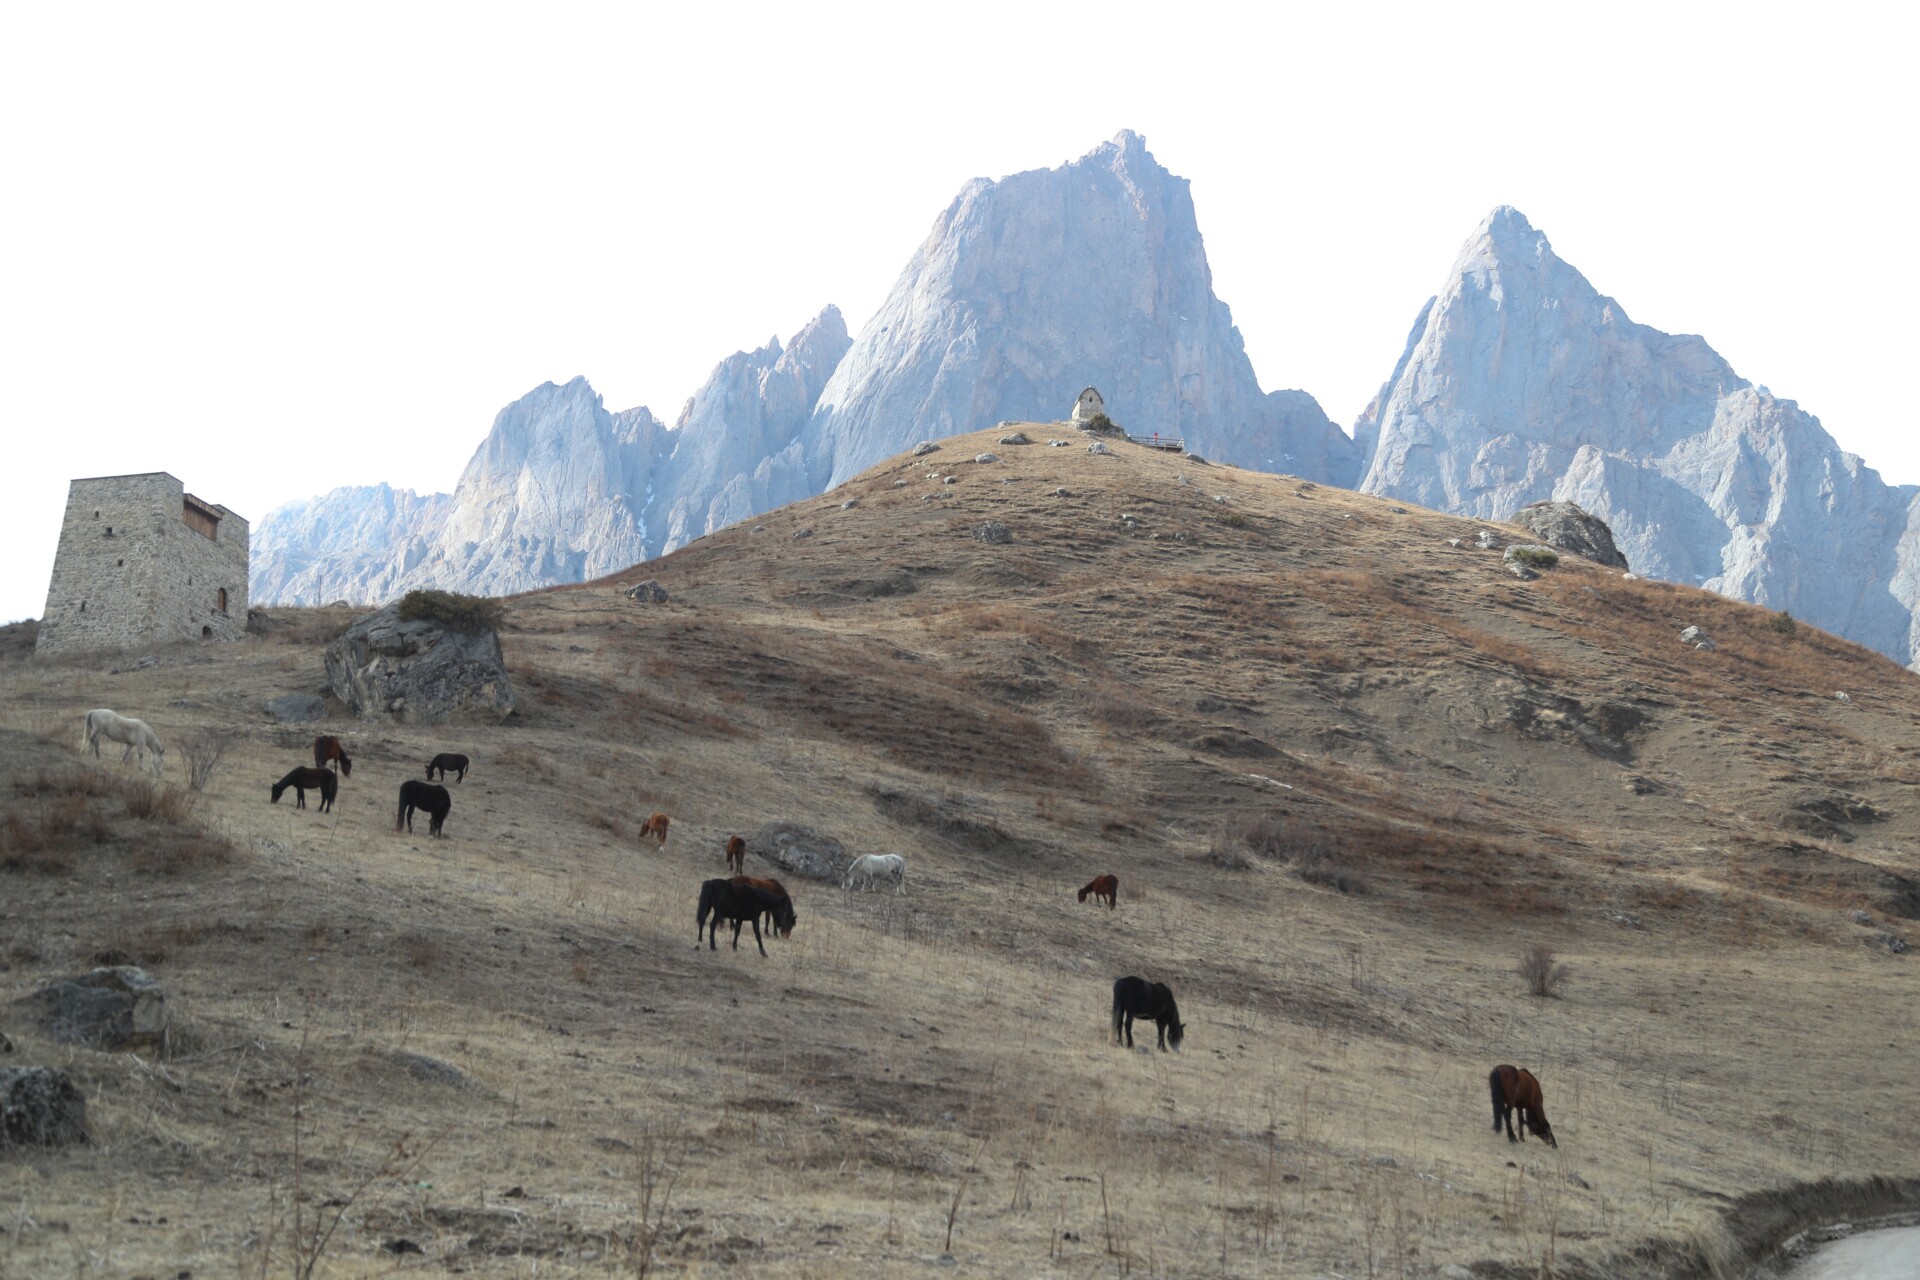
736 854
1516 1089
1107 886
303 780
327 747
656 826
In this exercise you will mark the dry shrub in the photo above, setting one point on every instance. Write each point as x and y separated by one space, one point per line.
1539 970
452 610
609 821
160 802
185 850
203 750
1278 836
1119 711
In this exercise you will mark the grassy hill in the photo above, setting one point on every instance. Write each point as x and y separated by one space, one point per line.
1347 771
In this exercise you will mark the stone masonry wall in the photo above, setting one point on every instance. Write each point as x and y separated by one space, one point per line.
130 571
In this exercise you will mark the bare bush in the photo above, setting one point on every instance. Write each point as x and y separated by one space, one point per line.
1276 836
1537 968
203 750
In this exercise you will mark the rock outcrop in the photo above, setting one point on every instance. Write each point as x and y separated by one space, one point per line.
801 850
1521 383
40 1107
419 671
113 1007
1564 526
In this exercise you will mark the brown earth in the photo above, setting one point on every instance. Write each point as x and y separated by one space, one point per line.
1346 772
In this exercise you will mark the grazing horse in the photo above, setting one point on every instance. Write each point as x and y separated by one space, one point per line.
890 865
1137 998
1107 886
102 723
327 747
656 826
740 903
447 760
783 915
736 854
415 794
304 779
1516 1089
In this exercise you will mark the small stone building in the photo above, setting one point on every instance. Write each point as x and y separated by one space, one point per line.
1087 406
142 561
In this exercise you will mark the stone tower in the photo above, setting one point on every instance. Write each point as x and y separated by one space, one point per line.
142 561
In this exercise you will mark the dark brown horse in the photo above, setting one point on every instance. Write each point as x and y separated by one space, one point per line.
1107 887
736 854
1138 998
326 747
782 911
415 794
740 903
303 780
447 760
1516 1089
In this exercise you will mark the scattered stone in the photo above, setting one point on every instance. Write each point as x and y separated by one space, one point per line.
40 1107
1098 447
1641 785
1892 942
297 708
402 1245
1056 444
1566 526
113 1007
146 663
1453 542
431 1070
1197 460
1579 1182
801 850
924 448
1306 486
648 592
1697 638
612 1144
850 504
417 670
1220 498
899 484
6 1045
1630 577
1061 492
1626 918
759 528
1840 695
1398 511
991 532
802 533
1521 571
1861 917
1487 540
984 458
949 479
1181 480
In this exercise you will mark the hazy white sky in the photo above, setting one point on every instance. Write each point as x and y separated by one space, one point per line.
275 250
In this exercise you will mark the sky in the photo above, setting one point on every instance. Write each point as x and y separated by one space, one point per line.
277 249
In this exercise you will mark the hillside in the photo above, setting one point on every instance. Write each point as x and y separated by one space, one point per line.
1346 771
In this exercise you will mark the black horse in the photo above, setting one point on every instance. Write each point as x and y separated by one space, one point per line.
448 760
423 795
742 904
1137 998
304 780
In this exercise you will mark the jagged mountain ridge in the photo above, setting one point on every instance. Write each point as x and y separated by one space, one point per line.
1521 382
979 327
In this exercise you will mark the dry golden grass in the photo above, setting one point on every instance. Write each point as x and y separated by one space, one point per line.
1346 773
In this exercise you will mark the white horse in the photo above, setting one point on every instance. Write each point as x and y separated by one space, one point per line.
890 865
102 723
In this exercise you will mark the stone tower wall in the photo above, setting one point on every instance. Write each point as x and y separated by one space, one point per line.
136 567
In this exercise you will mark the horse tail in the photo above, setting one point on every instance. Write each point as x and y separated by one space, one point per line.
1499 1095
86 730
400 814
1118 1003
1113 890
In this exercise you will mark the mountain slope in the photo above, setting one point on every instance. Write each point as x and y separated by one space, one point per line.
1521 382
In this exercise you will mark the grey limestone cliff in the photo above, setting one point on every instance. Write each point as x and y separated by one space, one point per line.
1520 382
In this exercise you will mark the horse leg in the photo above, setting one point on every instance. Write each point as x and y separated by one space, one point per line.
1129 1017
736 933
756 936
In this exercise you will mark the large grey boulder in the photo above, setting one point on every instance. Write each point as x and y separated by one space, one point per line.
115 1007
801 850
40 1107
418 671
1566 527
